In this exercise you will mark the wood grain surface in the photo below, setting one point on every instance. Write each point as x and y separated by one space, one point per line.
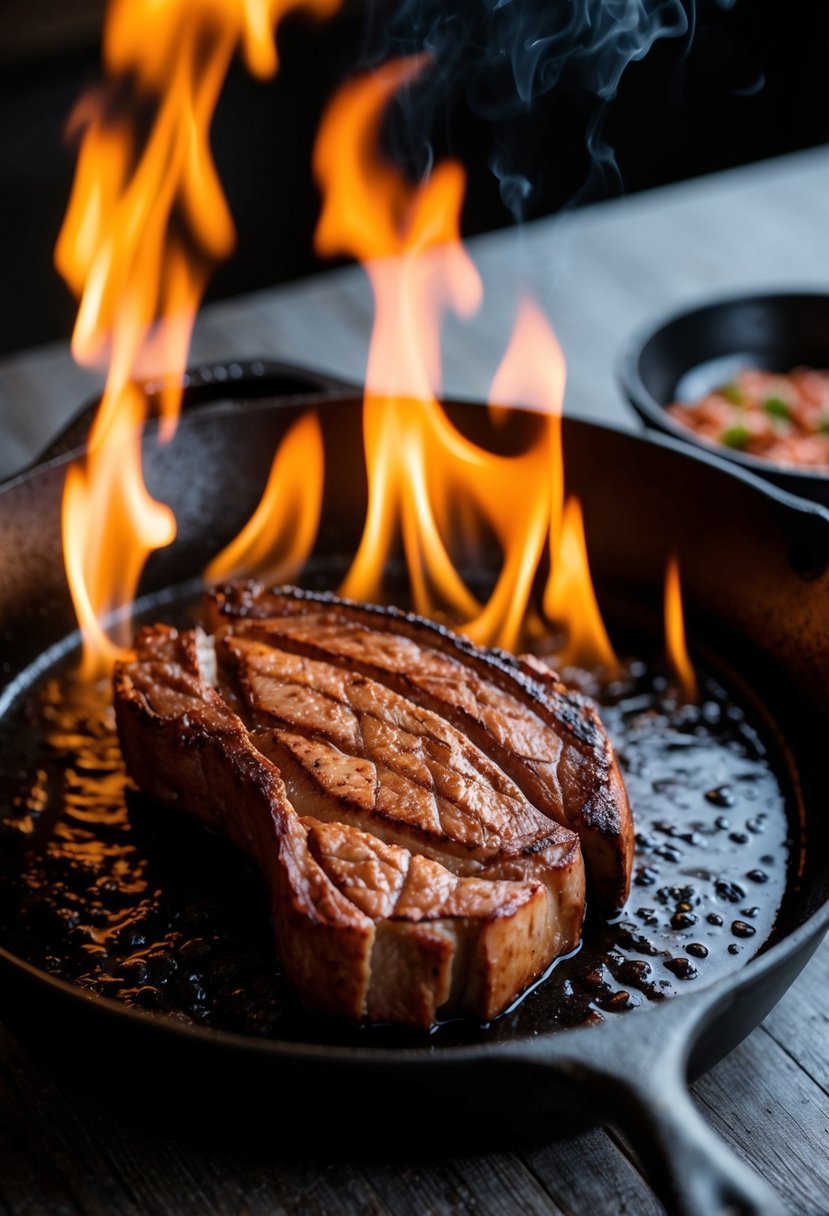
599 274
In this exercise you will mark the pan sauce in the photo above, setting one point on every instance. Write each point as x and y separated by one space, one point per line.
134 902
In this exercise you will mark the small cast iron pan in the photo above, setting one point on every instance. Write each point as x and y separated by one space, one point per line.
754 562
699 349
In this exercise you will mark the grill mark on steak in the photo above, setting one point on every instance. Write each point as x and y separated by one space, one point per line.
385 880
429 776
365 928
351 750
548 740
249 600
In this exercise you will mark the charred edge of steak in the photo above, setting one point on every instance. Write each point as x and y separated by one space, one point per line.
456 951
556 704
595 801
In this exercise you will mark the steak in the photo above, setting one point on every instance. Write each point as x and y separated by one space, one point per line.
547 739
411 878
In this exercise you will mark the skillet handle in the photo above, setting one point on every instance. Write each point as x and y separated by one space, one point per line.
691 1169
634 1078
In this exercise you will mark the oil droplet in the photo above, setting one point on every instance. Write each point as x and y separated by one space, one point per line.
682 968
722 795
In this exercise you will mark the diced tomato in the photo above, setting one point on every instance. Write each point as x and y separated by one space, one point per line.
766 414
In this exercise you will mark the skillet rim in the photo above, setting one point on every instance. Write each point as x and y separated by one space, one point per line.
229 405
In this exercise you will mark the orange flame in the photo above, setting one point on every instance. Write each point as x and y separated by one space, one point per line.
678 657
523 502
408 237
104 502
146 222
569 598
277 539
426 479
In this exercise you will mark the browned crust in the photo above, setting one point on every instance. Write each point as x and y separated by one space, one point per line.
184 746
527 833
193 753
589 797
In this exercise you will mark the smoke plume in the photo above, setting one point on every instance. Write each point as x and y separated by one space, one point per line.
502 56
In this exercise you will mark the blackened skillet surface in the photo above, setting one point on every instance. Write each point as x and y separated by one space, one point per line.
135 901
198 445
641 498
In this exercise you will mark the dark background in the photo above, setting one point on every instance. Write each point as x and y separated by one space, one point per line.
751 84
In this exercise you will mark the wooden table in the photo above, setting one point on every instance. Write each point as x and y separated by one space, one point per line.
598 273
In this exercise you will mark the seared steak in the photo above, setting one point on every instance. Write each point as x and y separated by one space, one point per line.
411 877
545 738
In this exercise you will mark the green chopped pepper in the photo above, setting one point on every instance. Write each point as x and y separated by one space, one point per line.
733 393
735 437
776 407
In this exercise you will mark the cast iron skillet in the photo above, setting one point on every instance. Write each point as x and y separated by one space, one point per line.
754 562
696 350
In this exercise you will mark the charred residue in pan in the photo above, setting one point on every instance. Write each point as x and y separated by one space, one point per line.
108 891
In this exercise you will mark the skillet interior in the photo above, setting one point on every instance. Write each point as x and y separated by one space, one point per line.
738 546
